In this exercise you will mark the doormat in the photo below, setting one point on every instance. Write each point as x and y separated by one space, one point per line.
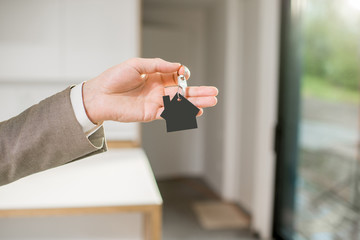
216 215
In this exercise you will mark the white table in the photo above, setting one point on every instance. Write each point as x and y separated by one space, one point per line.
120 180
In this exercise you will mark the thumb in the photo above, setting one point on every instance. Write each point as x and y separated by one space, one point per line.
153 65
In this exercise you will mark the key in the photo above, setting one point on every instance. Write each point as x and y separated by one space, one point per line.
183 76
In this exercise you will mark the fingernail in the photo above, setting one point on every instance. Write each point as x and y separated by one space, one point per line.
183 70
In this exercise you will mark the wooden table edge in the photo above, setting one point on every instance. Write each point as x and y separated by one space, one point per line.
78 210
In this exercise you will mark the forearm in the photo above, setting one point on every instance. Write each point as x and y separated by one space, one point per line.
44 136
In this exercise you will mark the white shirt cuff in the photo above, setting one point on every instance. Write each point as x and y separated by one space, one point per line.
79 110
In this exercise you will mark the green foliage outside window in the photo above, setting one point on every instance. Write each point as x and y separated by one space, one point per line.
331 50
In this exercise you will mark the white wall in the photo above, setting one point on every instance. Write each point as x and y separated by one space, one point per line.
65 40
47 45
266 116
215 75
248 99
120 226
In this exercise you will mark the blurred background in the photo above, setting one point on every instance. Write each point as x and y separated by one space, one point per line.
319 120
278 157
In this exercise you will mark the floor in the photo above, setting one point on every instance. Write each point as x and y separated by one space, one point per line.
327 186
179 221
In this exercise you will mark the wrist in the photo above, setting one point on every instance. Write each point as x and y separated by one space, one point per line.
89 99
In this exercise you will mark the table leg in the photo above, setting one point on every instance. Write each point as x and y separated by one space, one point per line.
153 224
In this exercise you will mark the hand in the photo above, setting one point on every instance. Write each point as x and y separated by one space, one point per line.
132 91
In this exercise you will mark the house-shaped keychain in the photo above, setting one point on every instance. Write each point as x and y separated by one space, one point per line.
179 113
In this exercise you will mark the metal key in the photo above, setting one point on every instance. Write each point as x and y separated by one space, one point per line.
182 79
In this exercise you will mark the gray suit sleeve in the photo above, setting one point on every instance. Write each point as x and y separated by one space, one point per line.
44 136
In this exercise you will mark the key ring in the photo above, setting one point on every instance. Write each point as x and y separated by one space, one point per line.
182 81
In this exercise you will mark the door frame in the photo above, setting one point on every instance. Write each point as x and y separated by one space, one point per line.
287 131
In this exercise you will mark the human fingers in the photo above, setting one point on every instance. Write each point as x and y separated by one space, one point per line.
169 79
153 65
203 102
183 70
202 91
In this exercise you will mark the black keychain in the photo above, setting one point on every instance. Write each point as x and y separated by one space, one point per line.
180 113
